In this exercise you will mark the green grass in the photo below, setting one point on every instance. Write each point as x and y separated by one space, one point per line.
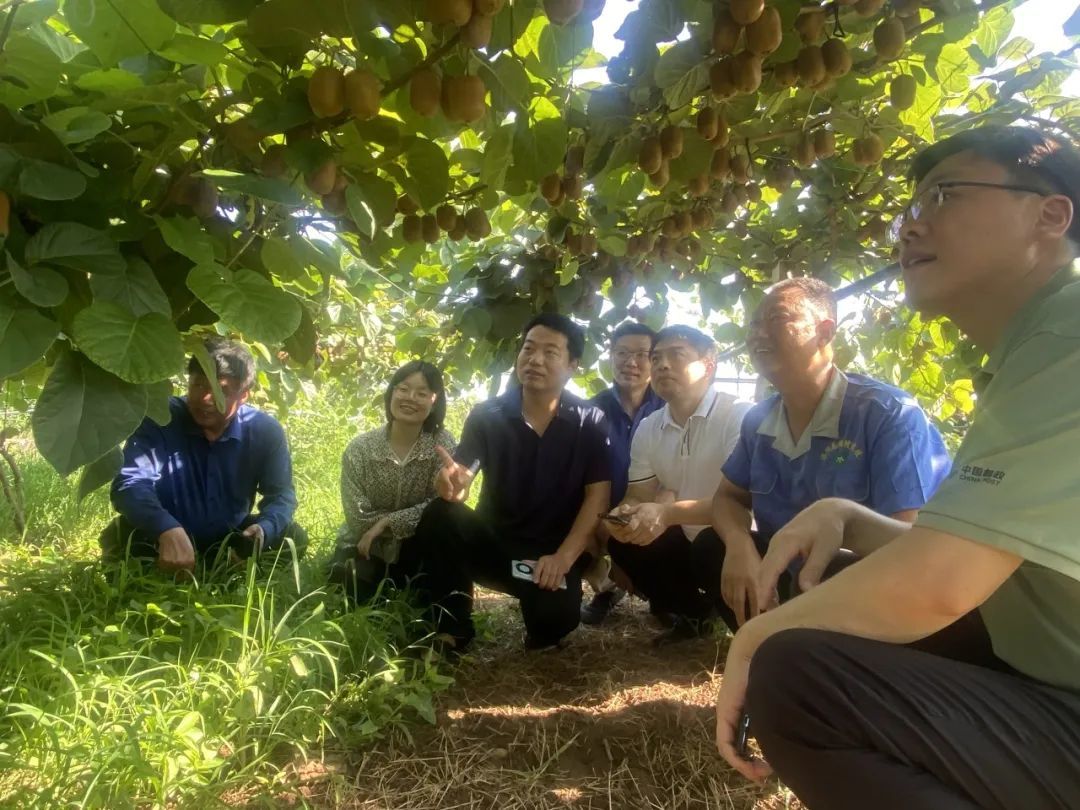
132 690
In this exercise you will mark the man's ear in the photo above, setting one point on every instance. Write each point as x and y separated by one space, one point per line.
1056 216
244 396
826 331
574 366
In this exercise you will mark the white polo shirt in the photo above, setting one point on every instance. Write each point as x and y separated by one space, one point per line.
688 460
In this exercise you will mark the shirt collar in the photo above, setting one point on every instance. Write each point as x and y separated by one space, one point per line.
650 402
1021 321
825 422
702 411
422 448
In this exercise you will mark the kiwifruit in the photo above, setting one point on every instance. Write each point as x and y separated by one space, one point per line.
551 188
741 195
273 161
446 216
698 185
463 98
671 141
321 180
572 241
429 228
457 233
412 229
811 65
206 199
868 8
836 56
702 218
725 32
740 169
810 26
721 81
824 143
708 123
326 92
5 213
454 12
876 228
651 155
362 89
589 244
868 150
786 74
561 12
572 186
633 246
764 35
906 8
889 39
489 8
574 161
746 71
720 169
780 176
723 132
804 151
477 225
242 136
753 191
858 152
648 241
425 89
661 176
476 33
729 203
670 228
902 91
334 202
745 12
406 205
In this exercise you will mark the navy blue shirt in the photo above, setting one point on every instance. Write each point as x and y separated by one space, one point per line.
534 485
867 442
621 430
173 476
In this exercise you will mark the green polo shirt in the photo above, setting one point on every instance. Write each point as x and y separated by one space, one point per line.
1015 484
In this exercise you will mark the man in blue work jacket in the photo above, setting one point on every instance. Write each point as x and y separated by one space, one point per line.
188 488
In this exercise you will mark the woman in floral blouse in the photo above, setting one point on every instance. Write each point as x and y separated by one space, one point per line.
387 480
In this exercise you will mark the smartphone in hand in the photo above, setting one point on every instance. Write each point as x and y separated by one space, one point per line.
742 736
525 570
618 520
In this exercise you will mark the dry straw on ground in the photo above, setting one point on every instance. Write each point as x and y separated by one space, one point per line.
609 722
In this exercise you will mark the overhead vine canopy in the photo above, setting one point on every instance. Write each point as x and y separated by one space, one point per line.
340 180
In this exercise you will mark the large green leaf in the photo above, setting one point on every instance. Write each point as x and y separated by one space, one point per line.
429 169
30 70
47 181
83 412
136 289
246 301
98 473
25 336
42 286
77 246
207 12
77 124
186 236
116 30
136 348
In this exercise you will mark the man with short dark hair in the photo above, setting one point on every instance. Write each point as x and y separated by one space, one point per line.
187 488
943 669
628 401
824 434
544 455
675 463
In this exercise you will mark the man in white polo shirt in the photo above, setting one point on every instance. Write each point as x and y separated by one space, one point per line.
675 463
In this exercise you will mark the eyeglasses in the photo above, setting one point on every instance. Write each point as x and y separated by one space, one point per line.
622 356
930 199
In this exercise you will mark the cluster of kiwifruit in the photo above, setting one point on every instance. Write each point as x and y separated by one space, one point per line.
868 150
330 92
657 152
461 98
580 243
474 18
570 185
813 146
428 228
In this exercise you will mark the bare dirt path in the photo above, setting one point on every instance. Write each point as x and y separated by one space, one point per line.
609 722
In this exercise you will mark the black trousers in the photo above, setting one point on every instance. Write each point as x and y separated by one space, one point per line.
120 539
485 558
849 723
682 576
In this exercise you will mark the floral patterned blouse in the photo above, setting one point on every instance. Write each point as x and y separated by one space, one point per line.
376 484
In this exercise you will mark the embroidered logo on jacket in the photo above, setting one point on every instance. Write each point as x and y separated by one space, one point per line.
841 451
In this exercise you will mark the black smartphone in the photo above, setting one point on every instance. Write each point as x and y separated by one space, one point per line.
619 520
742 735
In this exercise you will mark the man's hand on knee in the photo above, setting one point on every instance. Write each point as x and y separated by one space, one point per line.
551 570
175 550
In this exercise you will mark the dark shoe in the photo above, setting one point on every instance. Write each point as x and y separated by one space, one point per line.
664 618
534 643
682 629
601 605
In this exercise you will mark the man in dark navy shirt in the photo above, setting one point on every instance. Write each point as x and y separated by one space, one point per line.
629 400
544 455
187 487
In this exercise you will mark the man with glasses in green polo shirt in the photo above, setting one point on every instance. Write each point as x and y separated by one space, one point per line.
943 669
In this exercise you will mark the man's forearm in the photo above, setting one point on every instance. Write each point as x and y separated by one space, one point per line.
731 520
596 501
689 513
866 531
